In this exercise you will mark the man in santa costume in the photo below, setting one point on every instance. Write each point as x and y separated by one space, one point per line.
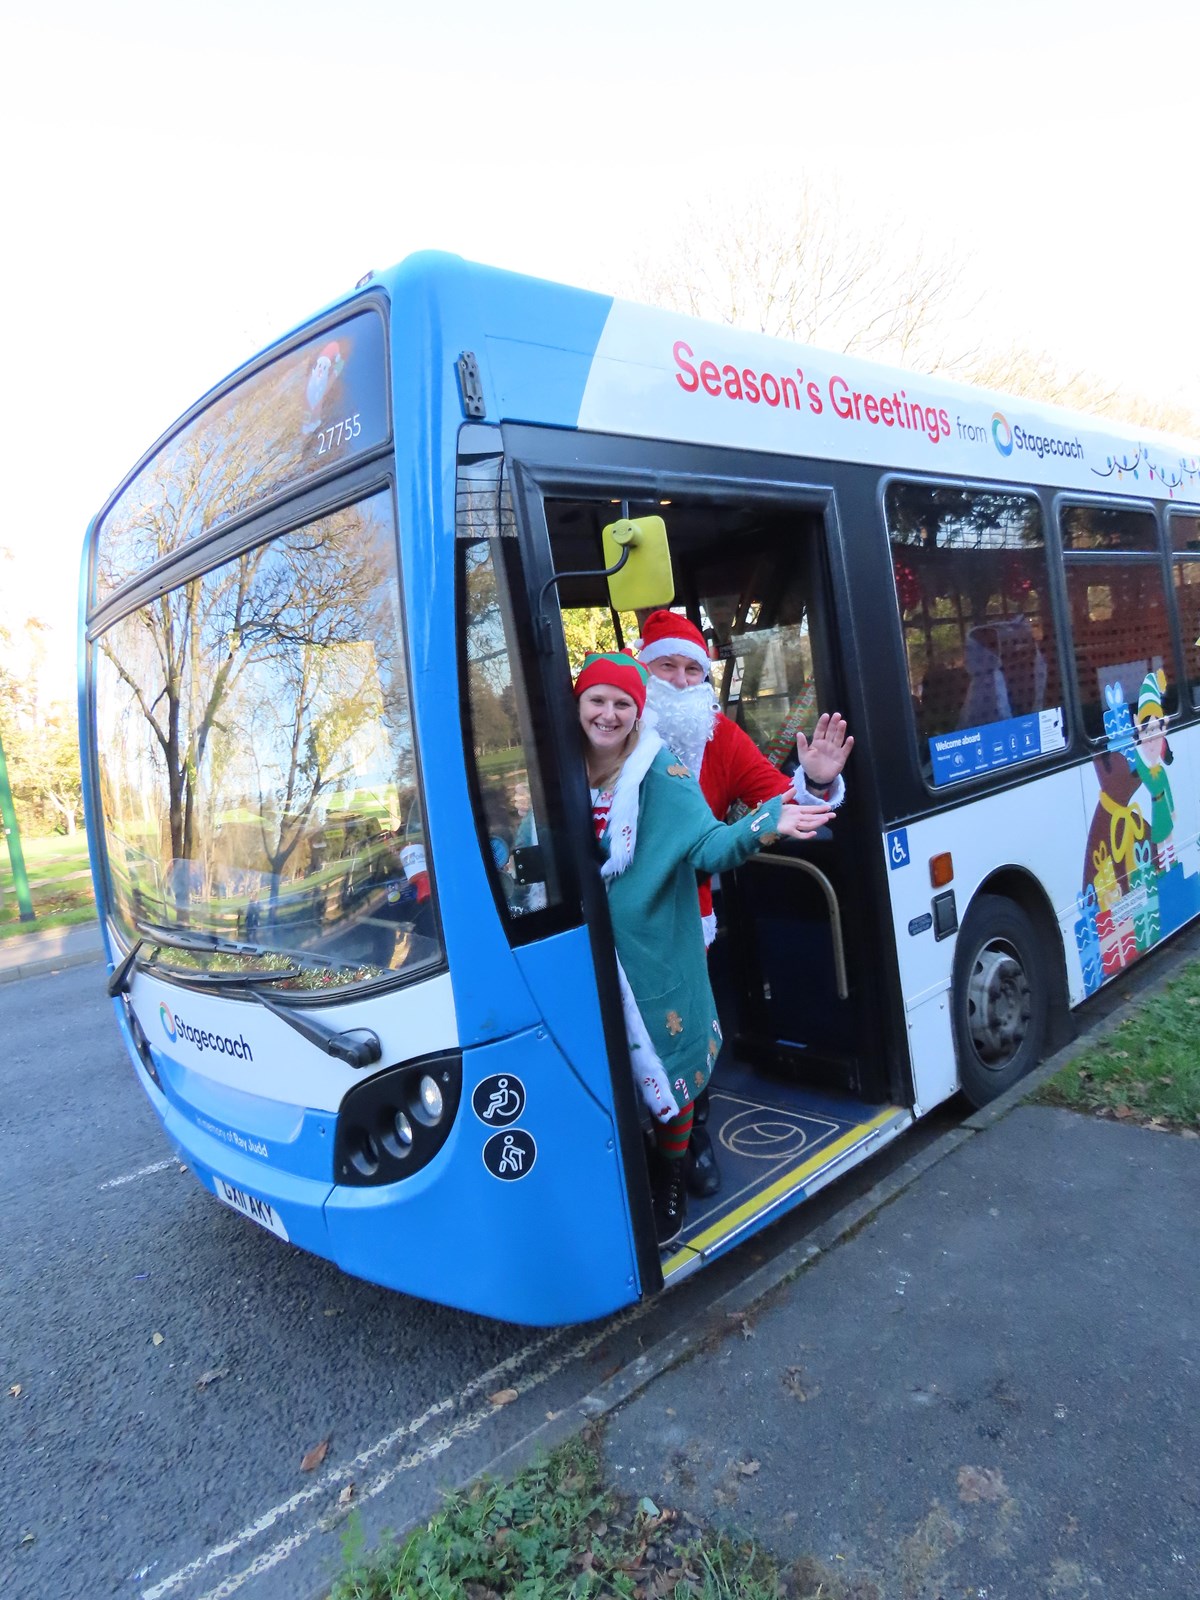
731 768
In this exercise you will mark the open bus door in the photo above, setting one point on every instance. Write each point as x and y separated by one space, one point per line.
801 1090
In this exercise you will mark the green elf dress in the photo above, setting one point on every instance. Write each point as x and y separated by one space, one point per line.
658 832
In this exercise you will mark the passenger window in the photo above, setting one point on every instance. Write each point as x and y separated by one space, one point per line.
972 589
1185 570
1120 624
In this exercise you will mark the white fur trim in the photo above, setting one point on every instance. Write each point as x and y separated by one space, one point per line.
676 647
623 814
648 1071
805 796
709 924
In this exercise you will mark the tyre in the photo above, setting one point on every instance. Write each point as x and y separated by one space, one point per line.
1001 997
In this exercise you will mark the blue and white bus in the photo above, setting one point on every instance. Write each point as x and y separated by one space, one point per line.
359 947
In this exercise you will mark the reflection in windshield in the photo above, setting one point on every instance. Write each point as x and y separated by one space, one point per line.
315 408
258 776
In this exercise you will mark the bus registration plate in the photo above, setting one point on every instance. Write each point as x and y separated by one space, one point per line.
251 1206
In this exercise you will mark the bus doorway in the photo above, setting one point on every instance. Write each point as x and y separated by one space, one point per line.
803 1079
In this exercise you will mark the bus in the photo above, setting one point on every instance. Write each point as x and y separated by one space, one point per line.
357 939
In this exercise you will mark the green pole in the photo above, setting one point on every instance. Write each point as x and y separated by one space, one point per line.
8 820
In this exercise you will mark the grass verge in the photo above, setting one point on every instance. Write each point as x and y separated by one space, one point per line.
1147 1070
557 1533
60 885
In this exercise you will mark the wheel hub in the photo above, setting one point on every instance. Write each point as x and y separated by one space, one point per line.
998 1006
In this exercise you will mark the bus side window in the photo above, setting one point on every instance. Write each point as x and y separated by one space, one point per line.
972 589
502 748
1118 607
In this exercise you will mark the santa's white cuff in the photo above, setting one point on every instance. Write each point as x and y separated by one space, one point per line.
805 797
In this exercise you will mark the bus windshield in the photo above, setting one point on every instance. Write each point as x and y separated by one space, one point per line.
257 765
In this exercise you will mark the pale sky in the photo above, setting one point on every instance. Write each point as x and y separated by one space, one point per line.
183 182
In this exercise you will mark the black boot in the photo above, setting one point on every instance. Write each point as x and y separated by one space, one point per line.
700 1170
668 1195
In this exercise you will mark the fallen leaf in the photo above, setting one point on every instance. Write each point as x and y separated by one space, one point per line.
14 1389
315 1456
28 1538
156 1338
503 1397
748 1468
795 1384
346 1495
214 1375
1122 1113
980 1483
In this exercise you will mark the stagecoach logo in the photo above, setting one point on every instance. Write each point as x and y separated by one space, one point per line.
221 1044
1002 434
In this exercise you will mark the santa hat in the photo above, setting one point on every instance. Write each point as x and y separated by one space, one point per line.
619 671
1150 695
666 633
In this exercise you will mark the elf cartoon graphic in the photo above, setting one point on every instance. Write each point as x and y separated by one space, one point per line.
1151 756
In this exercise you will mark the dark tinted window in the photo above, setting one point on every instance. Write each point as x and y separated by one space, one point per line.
971 585
1107 528
1185 543
1120 626
307 414
512 809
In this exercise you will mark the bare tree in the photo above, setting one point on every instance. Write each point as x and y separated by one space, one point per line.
801 269
1036 375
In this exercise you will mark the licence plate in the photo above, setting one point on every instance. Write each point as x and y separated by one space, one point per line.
251 1206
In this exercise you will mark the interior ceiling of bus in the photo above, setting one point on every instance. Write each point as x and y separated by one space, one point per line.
701 535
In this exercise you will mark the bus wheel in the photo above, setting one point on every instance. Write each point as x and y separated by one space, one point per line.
1001 998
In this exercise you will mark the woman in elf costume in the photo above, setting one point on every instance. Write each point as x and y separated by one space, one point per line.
657 832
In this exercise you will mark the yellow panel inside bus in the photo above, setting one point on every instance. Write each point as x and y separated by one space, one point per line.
646 579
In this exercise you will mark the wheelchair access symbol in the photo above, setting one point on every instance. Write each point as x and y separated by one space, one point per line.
499 1100
897 848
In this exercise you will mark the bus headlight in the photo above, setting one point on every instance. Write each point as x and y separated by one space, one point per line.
395 1122
431 1099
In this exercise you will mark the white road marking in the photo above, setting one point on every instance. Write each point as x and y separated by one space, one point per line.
485 1381
429 1452
142 1172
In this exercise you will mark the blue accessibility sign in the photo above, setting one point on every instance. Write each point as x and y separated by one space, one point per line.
897 848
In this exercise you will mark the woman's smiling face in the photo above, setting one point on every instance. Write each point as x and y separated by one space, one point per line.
607 716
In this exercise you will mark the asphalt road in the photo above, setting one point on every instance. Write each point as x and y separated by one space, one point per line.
175 1364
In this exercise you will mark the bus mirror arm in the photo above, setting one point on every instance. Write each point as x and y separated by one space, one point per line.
357 1047
542 621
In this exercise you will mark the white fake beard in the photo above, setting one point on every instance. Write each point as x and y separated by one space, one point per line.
685 719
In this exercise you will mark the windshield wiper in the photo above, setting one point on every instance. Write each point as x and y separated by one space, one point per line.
178 938
122 976
357 1047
